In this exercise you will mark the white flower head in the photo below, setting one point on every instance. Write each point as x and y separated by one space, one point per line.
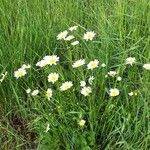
75 43
130 60
90 80
24 66
47 128
51 60
62 35
112 73
86 91
131 94
82 83
20 73
114 92
119 78
69 38
146 66
73 28
49 93
41 63
53 77
78 63
89 35
106 76
93 64
3 76
28 91
35 92
82 123
103 65
66 85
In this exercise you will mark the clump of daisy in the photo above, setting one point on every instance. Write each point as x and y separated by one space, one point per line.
51 60
114 92
90 80
89 35
73 28
53 77
78 63
86 91
130 61
35 92
3 76
112 73
49 93
82 83
82 123
66 85
62 35
93 64
146 66
75 43
20 73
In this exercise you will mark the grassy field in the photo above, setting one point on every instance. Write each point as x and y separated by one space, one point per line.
28 32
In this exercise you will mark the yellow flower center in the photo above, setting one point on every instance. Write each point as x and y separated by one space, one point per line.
114 93
89 36
53 78
20 74
52 61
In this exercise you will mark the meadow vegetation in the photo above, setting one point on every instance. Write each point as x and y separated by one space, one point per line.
74 74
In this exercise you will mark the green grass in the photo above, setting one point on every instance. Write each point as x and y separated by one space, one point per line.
28 30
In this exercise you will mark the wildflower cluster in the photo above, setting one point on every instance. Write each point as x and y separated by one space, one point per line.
85 85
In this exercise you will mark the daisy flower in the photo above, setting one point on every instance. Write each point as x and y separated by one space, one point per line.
69 38
62 35
82 83
20 73
28 91
73 28
103 65
130 60
75 43
114 92
3 76
90 80
112 73
47 128
146 66
35 92
51 60
131 94
89 36
65 86
86 91
78 63
93 64
119 78
41 63
53 77
24 66
49 93
82 123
